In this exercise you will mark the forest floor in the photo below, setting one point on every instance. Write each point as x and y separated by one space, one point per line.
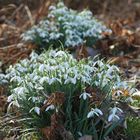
122 47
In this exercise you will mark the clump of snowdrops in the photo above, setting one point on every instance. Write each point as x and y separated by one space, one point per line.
53 92
66 26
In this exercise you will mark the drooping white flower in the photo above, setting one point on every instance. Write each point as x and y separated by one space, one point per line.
2 76
10 98
114 114
118 93
33 55
13 103
52 80
104 82
85 95
41 67
52 8
70 80
43 79
30 85
50 107
100 63
34 99
94 112
133 91
21 69
37 110
16 79
35 77
19 90
60 54
38 87
129 100
3 79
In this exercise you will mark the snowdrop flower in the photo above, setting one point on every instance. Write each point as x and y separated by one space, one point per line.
133 90
97 83
121 84
34 99
52 53
63 69
99 75
93 112
27 36
30 85
36 78
10 98
3 79
41 67
116 68
37 110
20 90
86 79
60 54
2 76
16 79
21 69
129 100
66 65
100 63
89 68
52 61
25 62
52 8
15 103
38 87
33 55
55 36
43 34
50 107
43 79
118 93
104 82
52 80
114 114
85 95
70 80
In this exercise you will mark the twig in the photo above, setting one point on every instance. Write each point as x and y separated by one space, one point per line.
11 46
29 14
20 7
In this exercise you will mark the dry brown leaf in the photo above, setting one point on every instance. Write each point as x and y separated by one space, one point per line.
48 133
97 96
43 10
56 130
123 93
56 99
3 100
121 60
81 52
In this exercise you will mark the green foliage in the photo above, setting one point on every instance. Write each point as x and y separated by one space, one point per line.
136 101
79 93
133 128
